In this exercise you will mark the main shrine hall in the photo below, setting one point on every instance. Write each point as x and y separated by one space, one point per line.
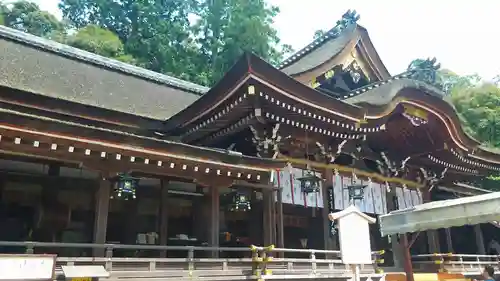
93 150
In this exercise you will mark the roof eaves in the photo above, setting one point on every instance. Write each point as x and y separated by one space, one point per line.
214 151
468 186
74 53
377 84
405 80
372 54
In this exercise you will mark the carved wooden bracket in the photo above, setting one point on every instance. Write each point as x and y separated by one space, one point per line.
390 168
432 179
330 153
266 140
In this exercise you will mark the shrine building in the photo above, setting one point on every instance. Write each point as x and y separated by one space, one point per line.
113 153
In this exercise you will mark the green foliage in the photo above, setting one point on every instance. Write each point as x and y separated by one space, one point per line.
97 40
455 82
195 40
227 28
155 33
160 36
27 16
480 108
3 12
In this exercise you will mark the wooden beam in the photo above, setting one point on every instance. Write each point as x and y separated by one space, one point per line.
280 234
214 219
267 213
348 170
101 214
163 215
114 162
253 185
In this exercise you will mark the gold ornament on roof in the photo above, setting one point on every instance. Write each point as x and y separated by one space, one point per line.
415 112
329 74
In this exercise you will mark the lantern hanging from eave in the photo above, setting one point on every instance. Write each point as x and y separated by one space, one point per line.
238 201
356 192
124 187
309 183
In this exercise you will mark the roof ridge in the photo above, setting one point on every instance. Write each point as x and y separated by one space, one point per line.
349 19
423 72
409 74
370 86
75 53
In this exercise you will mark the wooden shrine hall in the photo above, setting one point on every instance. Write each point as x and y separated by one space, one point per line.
263 156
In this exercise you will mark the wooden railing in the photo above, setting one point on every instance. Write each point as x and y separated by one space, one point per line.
197 263
454 263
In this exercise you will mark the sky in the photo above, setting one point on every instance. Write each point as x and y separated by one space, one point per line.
464 36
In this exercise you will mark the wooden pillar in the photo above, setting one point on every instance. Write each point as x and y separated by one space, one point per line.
398 251
101 214
432 235
2 205
273 217
200 215
255 221
214 219
479 240
163 216
131 213
280 241
267 213
49 204
330 241
407 264
449 241
433 241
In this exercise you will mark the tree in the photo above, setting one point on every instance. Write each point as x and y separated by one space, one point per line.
27 17
156 33
477 103
128 18
227 28
480 108
161 37
496 80
455 82
99 41
3 12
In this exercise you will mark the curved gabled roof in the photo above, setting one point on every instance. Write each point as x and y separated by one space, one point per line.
332 48
318 52
381 98
251 67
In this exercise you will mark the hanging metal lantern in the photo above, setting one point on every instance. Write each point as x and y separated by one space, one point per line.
356 192
310 183
238 201
125 187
